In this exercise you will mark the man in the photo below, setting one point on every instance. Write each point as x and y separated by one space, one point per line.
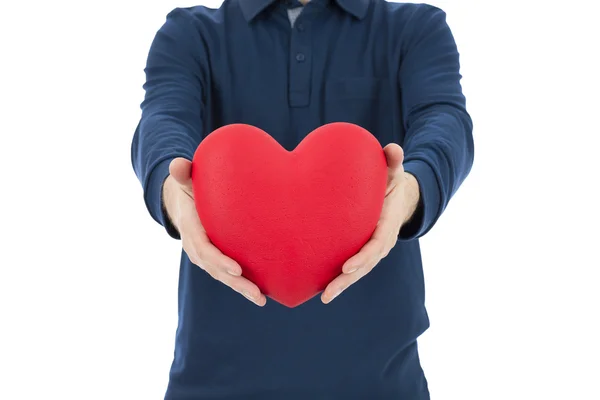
288 68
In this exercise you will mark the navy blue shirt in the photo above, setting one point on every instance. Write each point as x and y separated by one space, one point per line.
391 68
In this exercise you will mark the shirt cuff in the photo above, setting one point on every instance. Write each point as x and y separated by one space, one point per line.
428 209
154 199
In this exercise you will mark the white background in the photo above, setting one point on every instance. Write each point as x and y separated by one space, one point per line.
88 280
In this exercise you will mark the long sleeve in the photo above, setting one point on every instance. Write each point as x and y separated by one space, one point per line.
171 120
438 144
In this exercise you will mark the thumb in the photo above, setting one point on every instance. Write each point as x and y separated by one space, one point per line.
181 170
395 157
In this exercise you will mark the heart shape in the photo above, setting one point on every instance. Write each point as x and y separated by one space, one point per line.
290 219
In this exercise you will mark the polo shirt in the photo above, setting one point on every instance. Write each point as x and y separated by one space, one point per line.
392 68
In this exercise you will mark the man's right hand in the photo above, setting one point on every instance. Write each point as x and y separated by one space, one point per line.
178 199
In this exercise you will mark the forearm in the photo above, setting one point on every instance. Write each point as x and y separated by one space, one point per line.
170 208
158 140
171 121
438 140
153 150
439 154
412 197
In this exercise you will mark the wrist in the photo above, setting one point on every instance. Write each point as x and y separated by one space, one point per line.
169 190
412 195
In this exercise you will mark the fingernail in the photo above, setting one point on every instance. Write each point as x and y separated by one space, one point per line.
234 273
352 270
247 295
335 295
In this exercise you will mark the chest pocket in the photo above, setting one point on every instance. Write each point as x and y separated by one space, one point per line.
362 101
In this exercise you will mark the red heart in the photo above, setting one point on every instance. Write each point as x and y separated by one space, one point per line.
290 219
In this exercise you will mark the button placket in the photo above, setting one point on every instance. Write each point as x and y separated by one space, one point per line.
300 65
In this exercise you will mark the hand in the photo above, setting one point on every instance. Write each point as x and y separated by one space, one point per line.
178 198
401 200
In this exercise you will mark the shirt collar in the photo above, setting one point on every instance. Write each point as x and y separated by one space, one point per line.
358 8
251 8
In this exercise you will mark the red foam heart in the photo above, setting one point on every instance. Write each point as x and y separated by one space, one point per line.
290 219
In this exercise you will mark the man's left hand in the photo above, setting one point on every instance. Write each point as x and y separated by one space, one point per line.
401 200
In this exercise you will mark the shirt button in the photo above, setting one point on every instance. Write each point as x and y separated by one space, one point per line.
300 57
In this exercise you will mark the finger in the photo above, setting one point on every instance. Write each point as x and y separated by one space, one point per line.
203 253
211 257
236 282
181 170
394 156
198 246
367 253
374 249
244 287
341 283
227 271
